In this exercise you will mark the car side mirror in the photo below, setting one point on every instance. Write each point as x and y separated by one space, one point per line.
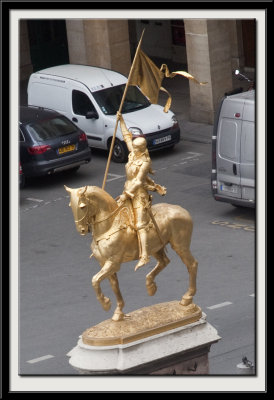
92 115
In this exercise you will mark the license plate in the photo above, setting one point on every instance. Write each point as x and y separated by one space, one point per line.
65 149
162 139
230 189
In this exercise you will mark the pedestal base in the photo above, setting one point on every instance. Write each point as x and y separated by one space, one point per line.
181 350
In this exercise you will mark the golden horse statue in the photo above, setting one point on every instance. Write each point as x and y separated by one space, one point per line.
115 240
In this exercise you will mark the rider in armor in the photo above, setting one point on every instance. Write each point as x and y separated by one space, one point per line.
137 185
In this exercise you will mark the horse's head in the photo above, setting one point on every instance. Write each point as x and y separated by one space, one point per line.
87 204
79 204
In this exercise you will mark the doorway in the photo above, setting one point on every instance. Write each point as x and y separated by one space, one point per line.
249 42
48 43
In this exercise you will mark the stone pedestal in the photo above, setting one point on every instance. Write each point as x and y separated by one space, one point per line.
170 348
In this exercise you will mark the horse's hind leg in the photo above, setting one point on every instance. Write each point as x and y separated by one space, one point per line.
163 260
118 313
192 266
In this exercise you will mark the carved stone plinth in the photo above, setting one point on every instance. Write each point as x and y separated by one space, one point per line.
164 339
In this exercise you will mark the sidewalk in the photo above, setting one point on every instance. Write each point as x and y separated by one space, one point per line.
195 132
178 88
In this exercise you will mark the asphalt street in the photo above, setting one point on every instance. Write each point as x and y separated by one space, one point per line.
56 299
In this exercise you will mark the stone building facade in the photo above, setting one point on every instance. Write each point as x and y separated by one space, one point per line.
210 49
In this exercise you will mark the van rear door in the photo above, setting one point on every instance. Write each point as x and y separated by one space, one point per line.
228 149
248 152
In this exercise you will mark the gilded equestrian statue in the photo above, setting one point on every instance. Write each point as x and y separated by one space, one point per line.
131 228
115 239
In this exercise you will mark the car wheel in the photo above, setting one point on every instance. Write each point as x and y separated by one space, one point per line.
120 152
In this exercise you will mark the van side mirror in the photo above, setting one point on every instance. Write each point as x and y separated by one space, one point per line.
92 115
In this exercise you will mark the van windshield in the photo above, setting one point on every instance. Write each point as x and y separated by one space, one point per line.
109 99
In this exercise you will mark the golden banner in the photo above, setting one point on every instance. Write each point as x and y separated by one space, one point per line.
149 78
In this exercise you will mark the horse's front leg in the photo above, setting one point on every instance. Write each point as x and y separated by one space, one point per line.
118 313
106 271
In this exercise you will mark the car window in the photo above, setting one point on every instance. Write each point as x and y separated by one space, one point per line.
81 103
51 128
109 99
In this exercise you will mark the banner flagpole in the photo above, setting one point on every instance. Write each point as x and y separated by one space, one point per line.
120 110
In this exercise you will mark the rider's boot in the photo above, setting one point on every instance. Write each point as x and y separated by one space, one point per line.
144 259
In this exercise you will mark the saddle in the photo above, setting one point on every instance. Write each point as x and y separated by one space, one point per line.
124 219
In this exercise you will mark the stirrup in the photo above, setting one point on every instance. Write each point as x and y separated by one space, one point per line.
143 260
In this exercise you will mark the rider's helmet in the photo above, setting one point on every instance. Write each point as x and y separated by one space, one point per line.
139 144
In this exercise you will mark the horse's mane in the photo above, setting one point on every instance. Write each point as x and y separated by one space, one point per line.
101 194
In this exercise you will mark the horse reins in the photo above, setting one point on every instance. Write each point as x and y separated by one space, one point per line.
110 215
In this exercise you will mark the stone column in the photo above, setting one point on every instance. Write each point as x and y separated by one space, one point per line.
76 41
236 40
209 59
26 68
101 43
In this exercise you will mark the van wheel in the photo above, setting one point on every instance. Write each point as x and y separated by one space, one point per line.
120 152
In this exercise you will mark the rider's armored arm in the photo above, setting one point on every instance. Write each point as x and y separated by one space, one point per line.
154 187
126 134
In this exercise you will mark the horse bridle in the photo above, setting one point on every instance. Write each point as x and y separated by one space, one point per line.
80 220
101 220
86 214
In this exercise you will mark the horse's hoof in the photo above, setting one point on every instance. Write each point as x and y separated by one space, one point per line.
106 304
186 302
118 316
151 288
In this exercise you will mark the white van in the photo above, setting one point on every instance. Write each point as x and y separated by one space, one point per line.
233 150
91 96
